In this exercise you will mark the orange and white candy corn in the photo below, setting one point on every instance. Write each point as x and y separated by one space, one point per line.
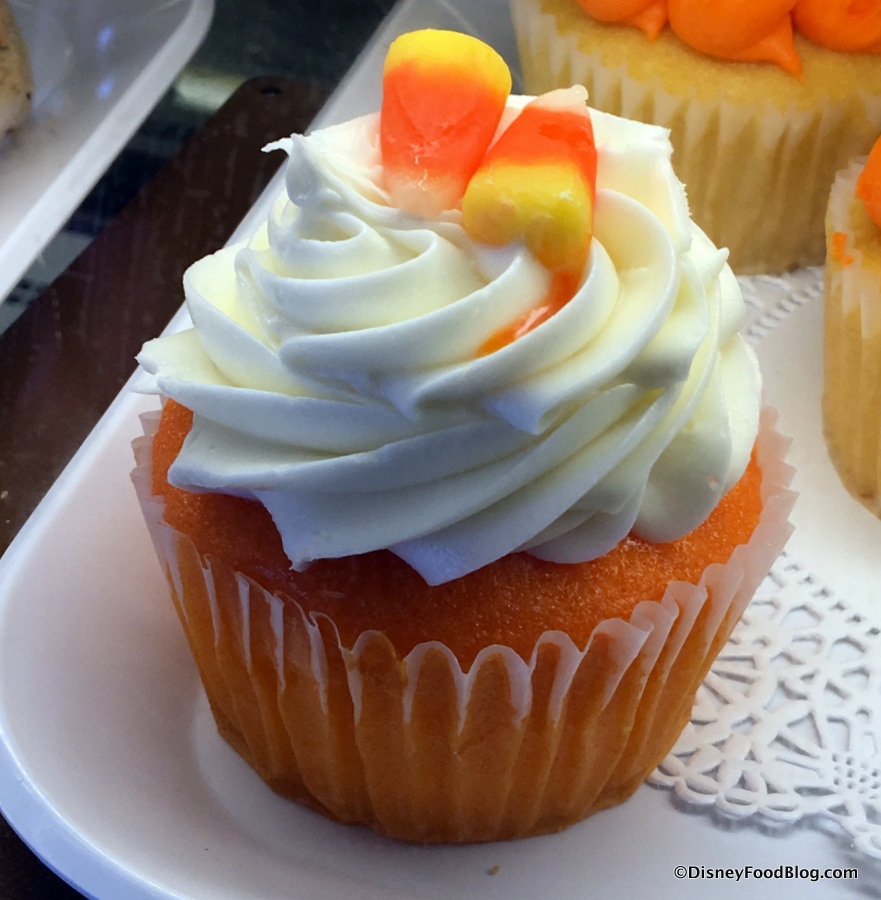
443 96
537 183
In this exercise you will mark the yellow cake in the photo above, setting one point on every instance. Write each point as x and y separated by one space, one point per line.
756 146
852 339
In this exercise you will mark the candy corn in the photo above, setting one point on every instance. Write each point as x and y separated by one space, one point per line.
564 283
537 183
443 96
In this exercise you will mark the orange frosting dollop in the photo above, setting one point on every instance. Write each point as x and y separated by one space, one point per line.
851 26
869 184
649 15
751 30
741 30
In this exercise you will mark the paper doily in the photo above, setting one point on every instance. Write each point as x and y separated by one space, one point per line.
787 725
786 728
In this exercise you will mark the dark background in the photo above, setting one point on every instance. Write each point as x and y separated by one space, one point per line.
64 355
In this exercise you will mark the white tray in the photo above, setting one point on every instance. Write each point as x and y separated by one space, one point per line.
99 68
112 771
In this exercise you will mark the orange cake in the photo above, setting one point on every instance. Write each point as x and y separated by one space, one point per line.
765 102
461 478
378 591
852 342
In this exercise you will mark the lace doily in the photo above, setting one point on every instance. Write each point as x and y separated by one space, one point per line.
786 728
771 299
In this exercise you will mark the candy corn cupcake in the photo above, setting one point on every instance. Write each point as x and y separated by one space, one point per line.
852 351
461 478
764 101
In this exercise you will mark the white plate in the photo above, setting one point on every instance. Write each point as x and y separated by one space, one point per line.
112 771
99 68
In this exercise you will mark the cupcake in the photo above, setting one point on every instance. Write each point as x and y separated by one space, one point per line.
852 338
16 80
764 104
455 521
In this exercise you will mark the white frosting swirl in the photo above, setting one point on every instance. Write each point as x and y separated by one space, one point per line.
335 373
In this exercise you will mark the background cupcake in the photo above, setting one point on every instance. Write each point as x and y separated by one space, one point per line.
16 78
852 342
764 103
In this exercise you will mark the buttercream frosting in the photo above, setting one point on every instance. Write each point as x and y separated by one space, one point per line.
335 372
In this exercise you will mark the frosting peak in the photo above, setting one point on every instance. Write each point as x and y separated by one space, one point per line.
758 31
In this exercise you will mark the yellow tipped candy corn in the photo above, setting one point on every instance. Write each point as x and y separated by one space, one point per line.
443 96
537 183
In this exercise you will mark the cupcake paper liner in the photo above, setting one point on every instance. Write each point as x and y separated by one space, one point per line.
757 176
852 351
420 749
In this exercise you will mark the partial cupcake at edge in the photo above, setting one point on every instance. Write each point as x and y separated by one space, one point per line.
765 101
16 75
852 336
462 477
